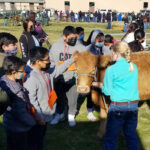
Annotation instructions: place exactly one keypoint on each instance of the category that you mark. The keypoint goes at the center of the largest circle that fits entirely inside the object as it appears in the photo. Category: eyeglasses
(44, 60)
(20, 71)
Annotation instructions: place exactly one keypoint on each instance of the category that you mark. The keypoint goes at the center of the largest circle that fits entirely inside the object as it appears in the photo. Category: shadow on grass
(80, 137)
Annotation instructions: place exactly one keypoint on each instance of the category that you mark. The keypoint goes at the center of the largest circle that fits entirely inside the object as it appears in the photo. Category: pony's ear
(104, 60)
(76, 53)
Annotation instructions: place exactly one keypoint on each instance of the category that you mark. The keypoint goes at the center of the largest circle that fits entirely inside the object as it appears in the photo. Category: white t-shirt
(129, 38)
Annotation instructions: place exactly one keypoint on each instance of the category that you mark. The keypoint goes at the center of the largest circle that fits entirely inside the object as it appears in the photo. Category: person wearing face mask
(28, 39)
(65, 85)
(8, 44)
(40, 87)
(7, 48)
(97, 41)
(139, 37)
(17, 119)
(80, 35)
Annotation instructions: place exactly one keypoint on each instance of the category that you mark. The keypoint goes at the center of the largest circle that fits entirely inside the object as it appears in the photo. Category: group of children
(37, 95)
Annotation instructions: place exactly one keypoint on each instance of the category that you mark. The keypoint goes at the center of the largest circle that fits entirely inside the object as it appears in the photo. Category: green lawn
(83, 136)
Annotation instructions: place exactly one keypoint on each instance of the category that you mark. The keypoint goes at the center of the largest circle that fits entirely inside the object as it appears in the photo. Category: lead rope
(105, 103)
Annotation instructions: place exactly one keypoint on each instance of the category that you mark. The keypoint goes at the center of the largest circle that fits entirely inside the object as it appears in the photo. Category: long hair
(124, 50)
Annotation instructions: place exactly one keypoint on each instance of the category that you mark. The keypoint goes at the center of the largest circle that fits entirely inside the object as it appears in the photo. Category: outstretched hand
(74, 58)
(97, 84)
(42, 122)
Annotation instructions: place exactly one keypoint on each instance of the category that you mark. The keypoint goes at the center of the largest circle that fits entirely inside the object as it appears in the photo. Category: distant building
(93, 5)
(76, 5)
(21, 4)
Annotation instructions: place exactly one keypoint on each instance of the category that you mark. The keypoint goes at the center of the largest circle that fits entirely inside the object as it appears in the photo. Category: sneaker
(57, 119)
(71, 120)
(91, 117)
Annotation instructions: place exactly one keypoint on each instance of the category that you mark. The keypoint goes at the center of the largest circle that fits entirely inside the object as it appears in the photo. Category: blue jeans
(121, 117)
(125, 28)
(109, 25)
(145, 26)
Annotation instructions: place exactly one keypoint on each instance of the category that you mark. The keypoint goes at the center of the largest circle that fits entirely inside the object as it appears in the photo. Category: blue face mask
(81, 37)
(21, 76)
(99, 45)
(12, 52)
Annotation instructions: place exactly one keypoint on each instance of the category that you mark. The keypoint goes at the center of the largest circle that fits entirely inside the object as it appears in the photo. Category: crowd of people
(36, 89)
(99, 16)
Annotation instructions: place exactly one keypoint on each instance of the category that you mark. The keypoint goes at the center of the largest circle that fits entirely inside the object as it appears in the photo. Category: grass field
(81, 137)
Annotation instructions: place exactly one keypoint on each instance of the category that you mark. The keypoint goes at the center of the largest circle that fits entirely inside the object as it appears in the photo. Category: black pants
(90, 104)
(67, 93)
(36, 137)
(17, 141)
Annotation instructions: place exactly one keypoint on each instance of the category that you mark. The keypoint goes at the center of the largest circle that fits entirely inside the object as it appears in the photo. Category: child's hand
(97, 84)
(42, 122)
(74, 58)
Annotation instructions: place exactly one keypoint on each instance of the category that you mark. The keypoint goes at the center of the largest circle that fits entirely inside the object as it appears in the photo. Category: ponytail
(124, 50)
(127, 57)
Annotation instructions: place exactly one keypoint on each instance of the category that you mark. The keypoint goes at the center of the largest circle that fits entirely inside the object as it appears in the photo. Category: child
(39, 85)
(108, 42)
(17, 120)
(7, 48)
(8, 44)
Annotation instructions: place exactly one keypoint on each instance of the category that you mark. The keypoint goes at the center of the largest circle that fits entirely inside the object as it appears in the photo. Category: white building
(76, 5)
(93, 5)
(21, 4)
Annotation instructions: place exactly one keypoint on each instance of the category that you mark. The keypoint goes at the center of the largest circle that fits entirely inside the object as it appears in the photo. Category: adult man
(66, 88)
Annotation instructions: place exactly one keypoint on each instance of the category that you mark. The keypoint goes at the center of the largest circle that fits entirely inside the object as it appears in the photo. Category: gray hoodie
(59, 52)
(37, 91)
(91, 47)
(94, 35)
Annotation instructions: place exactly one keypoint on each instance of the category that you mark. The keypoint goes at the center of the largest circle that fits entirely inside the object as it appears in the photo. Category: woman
(129, 36)
(121, 84)
(28, 39)
(136, 45)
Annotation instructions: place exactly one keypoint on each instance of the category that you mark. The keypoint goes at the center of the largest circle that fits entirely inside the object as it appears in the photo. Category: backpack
(19, 45)
(4, 101)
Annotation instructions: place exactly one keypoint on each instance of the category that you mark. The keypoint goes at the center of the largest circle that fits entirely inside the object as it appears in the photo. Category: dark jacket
(26, 43)
(17, 117)
(136, 46)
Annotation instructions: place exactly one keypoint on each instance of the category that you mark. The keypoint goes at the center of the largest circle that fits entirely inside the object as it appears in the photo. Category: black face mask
(72, 41)
(32, 31)
(47, 67)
